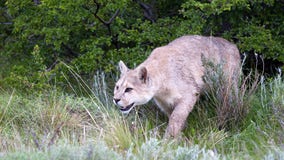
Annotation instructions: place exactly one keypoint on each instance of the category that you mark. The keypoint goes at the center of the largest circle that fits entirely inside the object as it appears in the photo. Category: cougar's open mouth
(127, 108)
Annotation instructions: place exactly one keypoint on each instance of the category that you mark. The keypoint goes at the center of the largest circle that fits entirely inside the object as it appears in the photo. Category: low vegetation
(86, 125)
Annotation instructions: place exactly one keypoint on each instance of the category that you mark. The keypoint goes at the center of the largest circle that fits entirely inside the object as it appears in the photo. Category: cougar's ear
(143, 75)
(122, 67)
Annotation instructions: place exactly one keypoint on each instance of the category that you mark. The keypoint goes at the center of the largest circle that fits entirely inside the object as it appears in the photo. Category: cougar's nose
(116, 100)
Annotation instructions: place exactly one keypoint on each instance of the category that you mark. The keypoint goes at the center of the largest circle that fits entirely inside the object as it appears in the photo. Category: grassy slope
(54, 125)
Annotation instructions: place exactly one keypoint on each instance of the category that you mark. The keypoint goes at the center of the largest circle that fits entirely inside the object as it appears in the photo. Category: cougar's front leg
(178, 118)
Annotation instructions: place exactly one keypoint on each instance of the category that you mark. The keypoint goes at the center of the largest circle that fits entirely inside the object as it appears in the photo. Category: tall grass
(229, 97)
(86, 125)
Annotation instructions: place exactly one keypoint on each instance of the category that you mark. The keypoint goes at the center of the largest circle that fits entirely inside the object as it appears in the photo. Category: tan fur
(172, 76)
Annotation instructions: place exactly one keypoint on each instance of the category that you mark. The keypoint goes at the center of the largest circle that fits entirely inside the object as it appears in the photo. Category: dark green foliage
(93, 35)
(256, 26)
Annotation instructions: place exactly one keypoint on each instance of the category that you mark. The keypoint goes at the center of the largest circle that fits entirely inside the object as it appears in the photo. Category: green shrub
(94, 35)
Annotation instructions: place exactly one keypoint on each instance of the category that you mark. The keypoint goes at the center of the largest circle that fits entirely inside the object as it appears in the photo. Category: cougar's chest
(167, 100)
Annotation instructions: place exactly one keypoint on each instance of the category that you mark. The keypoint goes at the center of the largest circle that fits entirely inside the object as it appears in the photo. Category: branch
(106, 23)
(7, 23)
(37, 2)
(98, 7)
(52, 66)
(148, 11)
(113, 16)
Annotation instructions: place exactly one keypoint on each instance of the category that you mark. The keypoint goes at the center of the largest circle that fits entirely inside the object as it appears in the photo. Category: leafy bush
(94, 35)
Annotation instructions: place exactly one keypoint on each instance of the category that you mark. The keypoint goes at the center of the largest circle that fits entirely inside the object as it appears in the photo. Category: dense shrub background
(93, 35)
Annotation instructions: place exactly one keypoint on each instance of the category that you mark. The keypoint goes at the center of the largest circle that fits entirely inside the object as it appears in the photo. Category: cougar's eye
(116, 87)
(128, 89)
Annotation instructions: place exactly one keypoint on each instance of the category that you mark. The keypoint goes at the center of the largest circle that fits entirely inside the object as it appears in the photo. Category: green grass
(56, 125)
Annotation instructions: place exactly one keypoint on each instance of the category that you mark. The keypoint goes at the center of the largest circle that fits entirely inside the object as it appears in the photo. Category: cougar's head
(133, 88)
